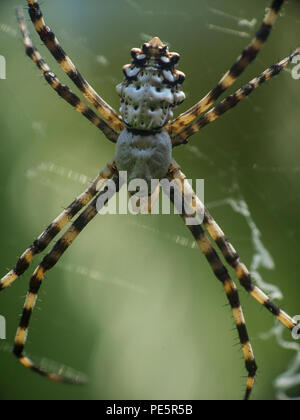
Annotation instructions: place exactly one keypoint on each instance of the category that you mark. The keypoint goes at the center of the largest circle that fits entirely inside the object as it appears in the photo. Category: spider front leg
(248, 56)
(42, 242)
(51, 42)
(233, 100)
(228, 250)
(49, 261)
(222, 275)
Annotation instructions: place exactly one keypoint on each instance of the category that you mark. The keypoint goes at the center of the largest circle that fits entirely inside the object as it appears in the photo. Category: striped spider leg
(232, 100)
(48, 262)
(248, 56)
(62, 90)
(42, 242)
(51, 42)
(183, 189)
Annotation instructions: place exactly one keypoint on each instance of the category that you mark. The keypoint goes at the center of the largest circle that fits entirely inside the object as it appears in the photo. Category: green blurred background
(133, 304)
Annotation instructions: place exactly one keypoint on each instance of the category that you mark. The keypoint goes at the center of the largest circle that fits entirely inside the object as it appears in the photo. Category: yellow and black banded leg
(62, 90)
(42, 242)
(248, 56)
(230, 288)
(228, 250)
(51, 42)
(232, 100)
(49, 261)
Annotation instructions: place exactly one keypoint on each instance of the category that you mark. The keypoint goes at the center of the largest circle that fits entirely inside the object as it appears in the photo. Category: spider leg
(51, 42)
(230, 253)
(223, 275)
(248, 56)
(61, 89)
(56, 226)
(232, 100)
(49, 261)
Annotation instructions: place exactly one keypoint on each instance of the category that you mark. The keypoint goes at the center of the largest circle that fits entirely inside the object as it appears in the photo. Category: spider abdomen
(151, 89)
(144, 156)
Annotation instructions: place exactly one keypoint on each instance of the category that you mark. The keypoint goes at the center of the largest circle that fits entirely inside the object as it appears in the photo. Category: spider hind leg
(42, 242)
(49, 261)
(230, 254)
(221, 274)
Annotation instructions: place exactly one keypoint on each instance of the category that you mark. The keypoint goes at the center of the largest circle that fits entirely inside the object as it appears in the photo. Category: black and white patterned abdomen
(143, 156)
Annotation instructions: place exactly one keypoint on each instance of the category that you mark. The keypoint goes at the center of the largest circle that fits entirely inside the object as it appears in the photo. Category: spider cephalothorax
(151, 89)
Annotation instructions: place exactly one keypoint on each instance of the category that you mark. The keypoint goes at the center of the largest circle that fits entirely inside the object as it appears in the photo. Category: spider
(149, 93)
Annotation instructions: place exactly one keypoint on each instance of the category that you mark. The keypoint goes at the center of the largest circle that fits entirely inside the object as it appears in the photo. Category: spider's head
(151, 89)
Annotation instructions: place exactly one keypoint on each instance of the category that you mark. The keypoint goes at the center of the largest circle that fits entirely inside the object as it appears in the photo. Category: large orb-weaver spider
(149, 93)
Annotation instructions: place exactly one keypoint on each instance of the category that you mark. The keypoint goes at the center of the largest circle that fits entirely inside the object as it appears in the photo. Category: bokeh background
(133, 304)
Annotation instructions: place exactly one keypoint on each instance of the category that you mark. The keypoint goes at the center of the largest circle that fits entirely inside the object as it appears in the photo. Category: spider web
(236, 186)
